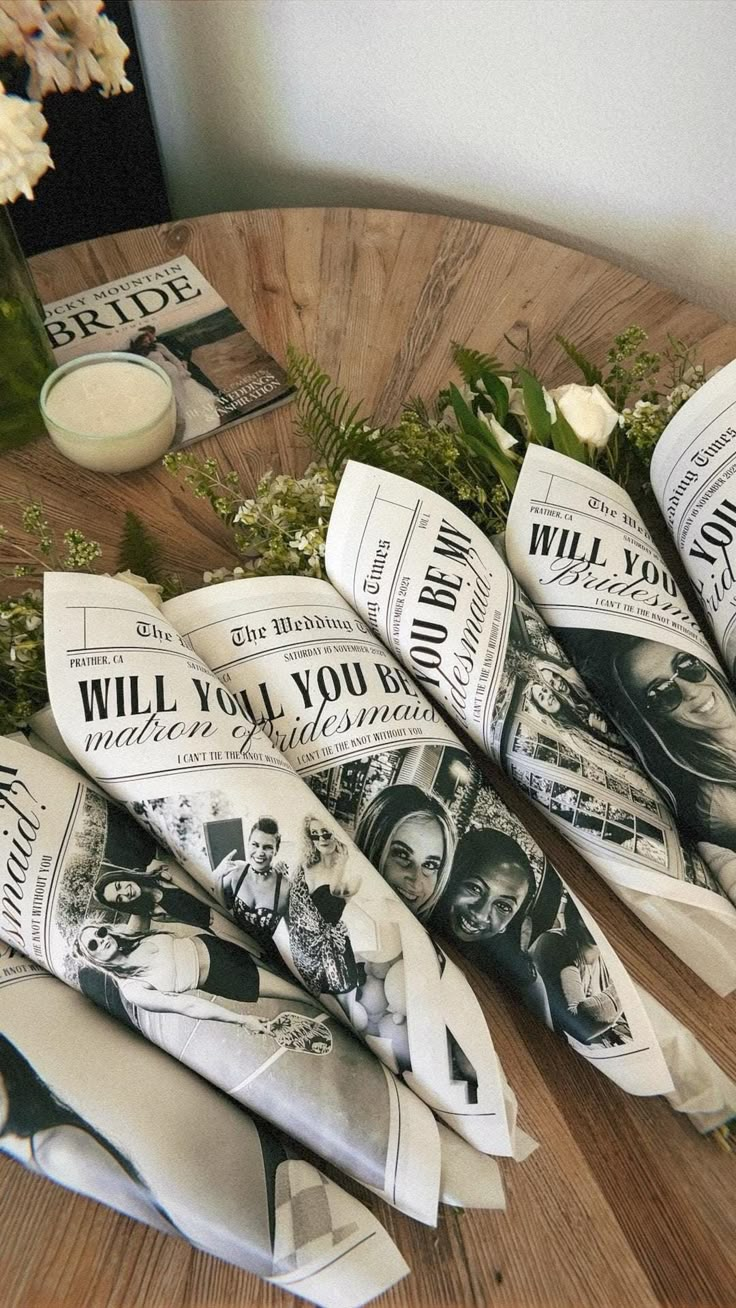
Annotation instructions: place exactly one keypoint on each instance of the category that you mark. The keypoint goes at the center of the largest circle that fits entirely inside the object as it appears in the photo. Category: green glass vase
(26, 358)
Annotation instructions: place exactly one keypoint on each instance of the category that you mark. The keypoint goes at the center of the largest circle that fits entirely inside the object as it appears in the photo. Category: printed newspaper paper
(382, 554)
(693, 468)
(382, 760)
(123, 1135)
(89, 896)
(576, 542)
(148, 721)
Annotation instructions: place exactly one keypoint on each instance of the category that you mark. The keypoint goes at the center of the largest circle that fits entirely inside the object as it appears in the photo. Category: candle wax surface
(107, 399)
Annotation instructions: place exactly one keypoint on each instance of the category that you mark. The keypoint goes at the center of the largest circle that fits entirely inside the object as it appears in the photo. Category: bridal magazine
(174, 317)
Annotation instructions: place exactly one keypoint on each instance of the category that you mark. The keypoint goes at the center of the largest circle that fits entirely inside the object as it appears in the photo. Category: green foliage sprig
(421, 446)
(281, 529)
(331, 423)
(24, 557)
(470, 443)
(138, 551)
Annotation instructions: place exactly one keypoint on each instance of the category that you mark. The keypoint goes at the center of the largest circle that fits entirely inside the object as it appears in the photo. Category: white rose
(588, 411)
(504, 437)
(147, 588)
(517, 405)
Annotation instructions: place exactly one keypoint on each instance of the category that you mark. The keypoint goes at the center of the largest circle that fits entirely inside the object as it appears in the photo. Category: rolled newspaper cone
(87, 895)
(153, 725)
(455, 631)
(149, 1138)
(445, 602)
(378, 755)
(692, 471)
(605, 589)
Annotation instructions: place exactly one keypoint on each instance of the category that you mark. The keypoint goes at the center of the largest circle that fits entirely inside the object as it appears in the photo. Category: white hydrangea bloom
(24, 156)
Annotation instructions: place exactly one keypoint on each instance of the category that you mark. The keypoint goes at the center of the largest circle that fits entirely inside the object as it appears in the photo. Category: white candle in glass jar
(111, 412)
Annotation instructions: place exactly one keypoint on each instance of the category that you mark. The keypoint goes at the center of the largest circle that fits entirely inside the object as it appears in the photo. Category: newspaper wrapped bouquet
(156, 727)
(381, 759)
(369, 743)
(492, 449)
(148, 1137)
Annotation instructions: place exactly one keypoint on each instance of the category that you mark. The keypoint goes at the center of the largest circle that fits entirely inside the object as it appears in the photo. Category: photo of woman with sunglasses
(157, 971)
(320, 889)
(681, 714)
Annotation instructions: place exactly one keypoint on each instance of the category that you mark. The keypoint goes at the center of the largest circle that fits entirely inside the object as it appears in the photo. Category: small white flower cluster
(68, 45)
(647, 419)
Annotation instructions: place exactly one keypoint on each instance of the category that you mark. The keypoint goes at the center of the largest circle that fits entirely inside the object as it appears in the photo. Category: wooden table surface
(624, 1205)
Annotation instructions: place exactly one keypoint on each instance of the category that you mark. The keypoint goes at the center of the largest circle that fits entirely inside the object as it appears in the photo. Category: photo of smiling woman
(158, 972)
(681, 714)
(151, 896)
(485, 907)
(320, 889)
(410, 837)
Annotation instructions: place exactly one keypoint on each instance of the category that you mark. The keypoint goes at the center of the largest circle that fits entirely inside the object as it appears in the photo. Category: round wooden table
(624, 1205)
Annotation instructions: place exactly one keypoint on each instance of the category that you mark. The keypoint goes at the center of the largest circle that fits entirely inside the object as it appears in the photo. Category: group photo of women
(478, 886)
(441, 839)
(151, 941)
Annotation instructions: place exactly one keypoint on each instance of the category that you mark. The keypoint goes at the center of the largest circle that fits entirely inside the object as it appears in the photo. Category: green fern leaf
(591, 374)
(139, 552)
(333, 425)
(472, 363)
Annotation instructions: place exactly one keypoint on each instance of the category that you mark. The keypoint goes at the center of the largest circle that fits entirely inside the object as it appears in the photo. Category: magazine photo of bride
(195, 395)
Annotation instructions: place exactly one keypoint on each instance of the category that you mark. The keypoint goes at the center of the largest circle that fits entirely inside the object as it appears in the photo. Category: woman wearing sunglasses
(685, 728)
(158, 971)
(320, 888)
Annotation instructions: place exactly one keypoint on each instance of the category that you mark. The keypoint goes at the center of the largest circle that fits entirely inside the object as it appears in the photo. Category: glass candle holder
(111, 412)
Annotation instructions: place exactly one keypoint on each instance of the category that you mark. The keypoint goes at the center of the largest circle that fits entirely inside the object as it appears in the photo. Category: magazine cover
(174, 317)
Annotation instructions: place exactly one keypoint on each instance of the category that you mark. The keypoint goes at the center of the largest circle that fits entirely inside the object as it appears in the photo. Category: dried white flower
(12, 40)
(111, 52)
(67, 45)
(49, 67)
(24, 156)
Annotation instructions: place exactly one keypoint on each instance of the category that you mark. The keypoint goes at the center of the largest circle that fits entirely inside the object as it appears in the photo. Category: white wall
(609, 125)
